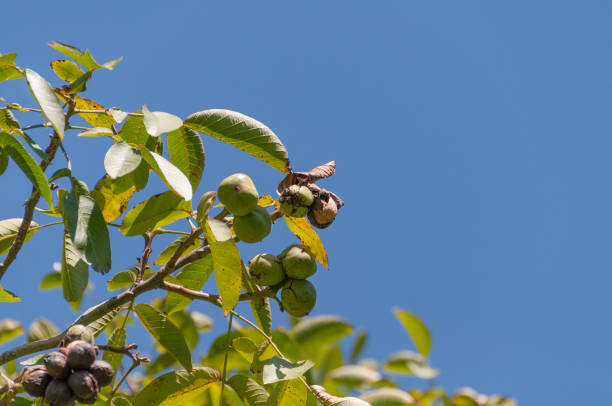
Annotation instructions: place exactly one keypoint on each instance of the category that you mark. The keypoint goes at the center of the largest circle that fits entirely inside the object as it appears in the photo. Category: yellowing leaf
(309, 237)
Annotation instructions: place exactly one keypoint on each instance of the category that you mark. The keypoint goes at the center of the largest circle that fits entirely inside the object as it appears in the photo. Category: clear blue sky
(473, 141)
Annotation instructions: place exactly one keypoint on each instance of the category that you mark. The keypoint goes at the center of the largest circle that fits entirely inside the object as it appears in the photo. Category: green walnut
(57, 365)
(78, 332)
(298, 262)
(58, 393)
(35, 380)
(84, 386)
(103, 372)
(238, 194)
(254, 226)
(295, 201)
(81, 354)
(298, 297)
(266, 270)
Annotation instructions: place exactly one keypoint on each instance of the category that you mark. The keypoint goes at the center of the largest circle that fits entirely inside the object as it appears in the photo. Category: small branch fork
(126, 350)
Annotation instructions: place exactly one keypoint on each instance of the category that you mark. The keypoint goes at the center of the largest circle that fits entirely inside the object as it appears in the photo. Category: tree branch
(29, 209)
(209, 297)
(94, 313)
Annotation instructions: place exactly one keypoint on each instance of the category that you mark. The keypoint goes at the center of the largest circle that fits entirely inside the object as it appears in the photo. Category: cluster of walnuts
(238, 194)
(70, 373)
(290, 271)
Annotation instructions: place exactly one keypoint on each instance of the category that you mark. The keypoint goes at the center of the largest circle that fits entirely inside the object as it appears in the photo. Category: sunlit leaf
(416, 329)
(4, 160)
(252, 393)
(320, 331)
(10, 329)
(278, 369)
(8, 122)
(97, 326)
(360, 343)
(158, 122)
(167, 252)
(192, 276)
(260, 306)
(8, 296)
(47, 100)
(84, 58)
(244, 133)
(165, 333)
(227, 264)
(173, 388)
(170, 174)
(309, 237)
(157, 211)
(409, 363)
(10, 72)
(111, 197)
(52, 280)
(354, 375)
(27, 164)
(116, 340)
(289, 393)
(97, 132)
(121, 159)
(67, 70)
(102, 119)
(41, 329)
(185, 324)
(8, 232)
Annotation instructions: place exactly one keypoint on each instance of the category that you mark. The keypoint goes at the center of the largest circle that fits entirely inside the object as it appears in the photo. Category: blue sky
(473, 148)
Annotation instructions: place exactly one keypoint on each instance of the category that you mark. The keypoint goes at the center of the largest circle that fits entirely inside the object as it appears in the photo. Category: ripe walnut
(81, 354)
(84, 386)
(103, 372)
(35, 380)
(59, 394)
(57, 365)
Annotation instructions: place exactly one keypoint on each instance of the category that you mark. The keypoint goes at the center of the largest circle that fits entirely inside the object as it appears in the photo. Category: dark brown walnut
(103, 372)
(59, 394)
(35, 380)
(81, 354)
(57, 365)
(76, 333)
(324, 210)
(84, 386)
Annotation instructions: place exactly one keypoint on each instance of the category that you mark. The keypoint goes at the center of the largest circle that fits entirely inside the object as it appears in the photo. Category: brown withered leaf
(322, 171)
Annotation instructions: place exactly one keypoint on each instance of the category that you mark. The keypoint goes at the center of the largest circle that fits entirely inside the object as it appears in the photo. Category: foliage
(254, 363)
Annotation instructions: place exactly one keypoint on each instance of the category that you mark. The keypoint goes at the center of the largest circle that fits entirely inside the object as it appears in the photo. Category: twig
(227, 348)
(29, 210)
(126, 351)
(129, 371)
(209, 297)
(148, 237)
(94, 313)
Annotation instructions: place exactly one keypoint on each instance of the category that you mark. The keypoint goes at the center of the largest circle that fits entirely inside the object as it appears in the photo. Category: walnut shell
(57, 365)
(103, 372)
(81, 354)
(84, 385)
(35, 380)
(59, 394)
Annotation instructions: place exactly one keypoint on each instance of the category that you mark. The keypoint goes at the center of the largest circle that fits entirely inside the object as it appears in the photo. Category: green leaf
(51, 280)
(67, 70)
(155, 212)
(170, 174)
(79, 85)
(289, 393)
(158, 122)
(186, 152)
(94, 119)
(244, 133)
(360, 343)
(174, 388)
(8, 232)
(167, 253)
(135, 132)
(97, 132)
(47, 100)
(37, 149)
(28, 165)
(278, 369)
(87, 228)
(123, 279)
(204, 205)
(10, 72)
(116, 340)
(165, 333)
(84, 58)
(75, 271)
(4, 159)
(309, 237)
(21, 401)
(8, 122)
(387, 397)
(35, 360)
(185, 324)
(121, 159)
(409, 363)
(192, 276)
(227, 263)
(97, 326)
(10, 329)
(113, 196)
(7, 59)
(252, 393)
(8, 296)
(416, 329)
(120, 401)
(354, 375)
(41, 329)
(260, 306)
(320, 331)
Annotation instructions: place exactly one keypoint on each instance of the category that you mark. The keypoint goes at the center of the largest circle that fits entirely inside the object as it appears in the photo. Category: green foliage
(255, 363)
